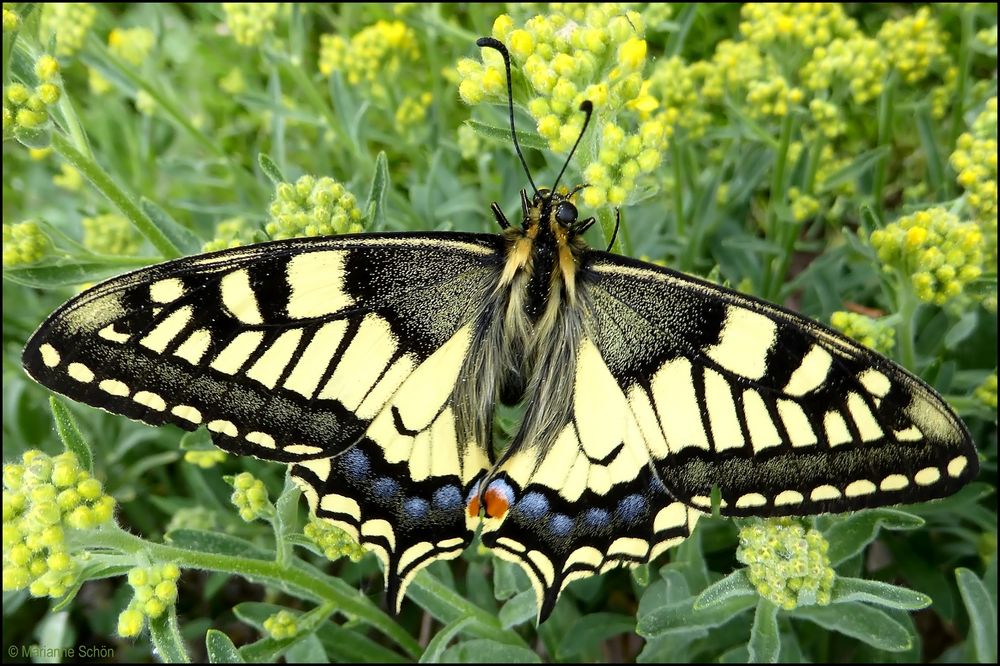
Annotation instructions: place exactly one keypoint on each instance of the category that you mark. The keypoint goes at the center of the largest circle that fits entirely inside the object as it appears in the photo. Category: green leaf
(866, 624)
(53, 632)
(682, 615)
(69, 433)
(982, 615)
(963, 328)
(71, 271)
(876, 592)
(486, 651)
(522, 608)
(286, 517)
(765, 642)
(214, 542)
(308, 650)
(348, 646)
(270, 169)
(735, 584)
(507, 579)
(590, 631)
(849, 536)
(33, 137)
(375, 206)
(436, 647)
(166, 638)
(220, 649)
(853, 171)
(183, 238)
(526, 138)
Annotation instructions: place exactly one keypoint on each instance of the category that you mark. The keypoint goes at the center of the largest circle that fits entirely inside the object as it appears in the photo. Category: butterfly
(372, 364)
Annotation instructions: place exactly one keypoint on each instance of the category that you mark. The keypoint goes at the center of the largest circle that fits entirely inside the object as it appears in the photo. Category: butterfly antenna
(587, 107)
(490, 43)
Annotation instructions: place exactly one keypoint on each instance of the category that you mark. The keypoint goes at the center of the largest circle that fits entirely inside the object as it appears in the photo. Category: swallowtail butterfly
(372, 365)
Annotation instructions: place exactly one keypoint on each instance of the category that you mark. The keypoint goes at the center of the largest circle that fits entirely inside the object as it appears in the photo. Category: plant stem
(905, 331)
(115, 194)
(885, 113)
(293, 577)
(957, 122)
(771, 221)
(678, 193)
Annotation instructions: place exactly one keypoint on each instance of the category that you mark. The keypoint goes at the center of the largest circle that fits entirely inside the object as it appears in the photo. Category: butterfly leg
(500, 217)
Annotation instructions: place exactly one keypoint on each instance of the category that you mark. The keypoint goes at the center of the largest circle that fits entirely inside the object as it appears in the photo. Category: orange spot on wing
(474, 506)
(496, 503)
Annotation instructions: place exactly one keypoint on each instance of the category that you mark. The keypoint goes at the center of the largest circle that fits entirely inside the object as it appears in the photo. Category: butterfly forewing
(340, 355)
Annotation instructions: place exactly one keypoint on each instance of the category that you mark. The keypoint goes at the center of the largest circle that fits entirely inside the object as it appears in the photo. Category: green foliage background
(773, 182)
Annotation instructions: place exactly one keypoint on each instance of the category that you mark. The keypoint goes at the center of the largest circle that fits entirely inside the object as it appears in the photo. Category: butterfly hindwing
(339, 355)
(783, 415)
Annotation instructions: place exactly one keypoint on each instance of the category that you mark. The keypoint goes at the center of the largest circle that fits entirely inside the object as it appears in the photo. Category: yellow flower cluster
(333, 541)
(873, 333)
(914, 44)
(69, 22)
(986, 392)
(23, 244)
(28, 109)
(939, 253)
(373, 56)
(828, 117)
(42, 496)
(468, 142)
(11, 20)
(110, 234)
(806, 24)
(250, 497)
(193, 518)
(680, 89)
(131, 45)
(68, 178)
(229, 233)
(313, 207)
(205, 459)
(858, 62)
(599, 56)
(155, 590)
(787, 563)
(413, 110)
(804, 206)
(733, 66)
(772, 98)
(249, 22)
(975, 162)
(233, 83)
(281, 625)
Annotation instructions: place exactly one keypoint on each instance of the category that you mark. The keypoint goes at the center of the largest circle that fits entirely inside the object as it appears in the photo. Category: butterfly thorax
(542, 255)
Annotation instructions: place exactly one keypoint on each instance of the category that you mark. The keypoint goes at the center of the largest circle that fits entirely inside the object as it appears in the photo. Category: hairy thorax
(529, 327)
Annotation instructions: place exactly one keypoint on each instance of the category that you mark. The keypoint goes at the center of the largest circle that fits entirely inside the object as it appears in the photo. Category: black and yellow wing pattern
(681, 386)
(338, 356)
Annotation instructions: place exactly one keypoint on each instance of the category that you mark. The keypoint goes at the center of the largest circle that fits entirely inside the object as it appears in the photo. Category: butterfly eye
(566, 213)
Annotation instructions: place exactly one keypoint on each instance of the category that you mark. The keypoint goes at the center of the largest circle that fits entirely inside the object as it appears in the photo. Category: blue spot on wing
(385, 487)
(560, 524)
(631, 508)
(416, 507)
(355, 462)
(533, 505)
(448, 497)
(596, 518)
